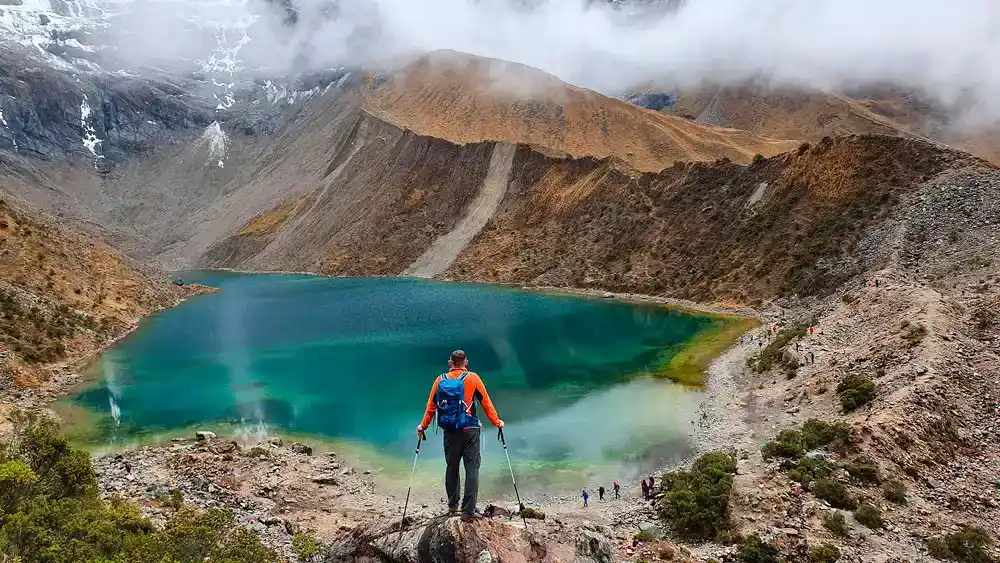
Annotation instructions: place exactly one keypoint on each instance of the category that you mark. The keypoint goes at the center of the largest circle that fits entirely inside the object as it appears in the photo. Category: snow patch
(90, 139)
(7, 127)
(274, 93)
(230, 38)
(217, 142)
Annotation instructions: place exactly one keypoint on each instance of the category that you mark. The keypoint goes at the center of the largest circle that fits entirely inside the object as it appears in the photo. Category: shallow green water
(353, 360)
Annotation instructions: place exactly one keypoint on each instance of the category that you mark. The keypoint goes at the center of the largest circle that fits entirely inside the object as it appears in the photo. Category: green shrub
(864, 471)
(644, 536)
(754, 550)
(807, 470)
(773, 353)
(968, 545)
(895, 491)
(171, 499)
(60, 518)
(855, 391)
(696, 504)
(817, 434)
(832, 492)
(836, 523)
(305, 547)
(869, 515)
(824, 553)
(787, 444)
(938, 548)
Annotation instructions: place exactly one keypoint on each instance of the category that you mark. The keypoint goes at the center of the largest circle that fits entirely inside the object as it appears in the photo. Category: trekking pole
(402, 524)
(520, 505)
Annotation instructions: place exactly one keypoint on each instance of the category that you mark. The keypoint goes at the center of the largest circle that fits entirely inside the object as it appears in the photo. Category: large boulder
(450, 540)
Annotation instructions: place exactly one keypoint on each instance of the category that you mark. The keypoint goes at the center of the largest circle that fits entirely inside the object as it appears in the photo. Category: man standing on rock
(452, 398)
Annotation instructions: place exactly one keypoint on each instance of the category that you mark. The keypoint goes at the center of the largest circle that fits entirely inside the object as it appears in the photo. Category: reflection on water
(353, 360)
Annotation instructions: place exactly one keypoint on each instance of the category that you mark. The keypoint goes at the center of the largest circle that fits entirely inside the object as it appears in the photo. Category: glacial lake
(580, 382)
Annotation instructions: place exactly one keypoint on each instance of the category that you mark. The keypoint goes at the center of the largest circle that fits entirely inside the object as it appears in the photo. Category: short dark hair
(458, 357)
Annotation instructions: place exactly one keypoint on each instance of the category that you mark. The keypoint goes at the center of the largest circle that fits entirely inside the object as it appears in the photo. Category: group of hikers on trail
(647, 491)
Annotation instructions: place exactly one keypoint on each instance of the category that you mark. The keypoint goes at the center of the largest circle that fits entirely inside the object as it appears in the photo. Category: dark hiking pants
(462, 445)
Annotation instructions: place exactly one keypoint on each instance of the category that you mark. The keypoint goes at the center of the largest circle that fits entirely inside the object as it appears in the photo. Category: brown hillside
(785, 113)
(63, 294)
(791, 224)
(812, 115)
(468, 99)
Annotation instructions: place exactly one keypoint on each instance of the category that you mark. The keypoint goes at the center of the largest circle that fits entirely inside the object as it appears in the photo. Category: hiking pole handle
(501, 438)
(420, 438)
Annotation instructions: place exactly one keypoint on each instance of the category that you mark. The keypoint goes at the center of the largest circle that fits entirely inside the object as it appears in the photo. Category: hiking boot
(471, 517)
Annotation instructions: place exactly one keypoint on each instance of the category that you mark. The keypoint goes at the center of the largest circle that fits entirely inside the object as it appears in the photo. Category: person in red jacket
(462, 444)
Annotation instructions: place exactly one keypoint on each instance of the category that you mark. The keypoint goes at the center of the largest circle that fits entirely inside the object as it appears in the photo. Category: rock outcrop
(450, 540)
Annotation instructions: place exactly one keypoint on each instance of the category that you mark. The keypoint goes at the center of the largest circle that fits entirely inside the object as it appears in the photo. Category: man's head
(458, 359)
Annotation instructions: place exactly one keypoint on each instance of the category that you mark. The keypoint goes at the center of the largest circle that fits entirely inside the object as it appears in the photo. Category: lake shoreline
(698, 359)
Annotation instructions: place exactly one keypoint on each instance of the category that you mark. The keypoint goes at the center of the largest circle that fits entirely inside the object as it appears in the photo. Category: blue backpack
(452, 412)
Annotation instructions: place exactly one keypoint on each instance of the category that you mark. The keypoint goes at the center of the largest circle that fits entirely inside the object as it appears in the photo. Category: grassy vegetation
(833, 493)
(855, 391)
(913, 333)
(814, 434)
(688, 366)
(836, 523)
(307, 548)
(773, 354)
(864, 471)
(50, 512)
(869, 515)
(824, 553)
(895, 491)
(36, 332)
(968, 545)
(755, 550)
(696, 504)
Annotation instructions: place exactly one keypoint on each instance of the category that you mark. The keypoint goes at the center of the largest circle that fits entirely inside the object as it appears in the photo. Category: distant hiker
(651, 482)
(600, 492)
(876, 283)
(812, 357)
(617, 489)
(645, 490)
(812, 330)
(585, 497)
(128, 467)
(452, 398)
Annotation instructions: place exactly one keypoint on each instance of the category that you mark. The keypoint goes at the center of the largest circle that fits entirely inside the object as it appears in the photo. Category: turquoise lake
(352, 361)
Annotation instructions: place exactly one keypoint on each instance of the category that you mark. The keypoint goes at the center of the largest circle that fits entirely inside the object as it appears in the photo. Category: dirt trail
(445, 249)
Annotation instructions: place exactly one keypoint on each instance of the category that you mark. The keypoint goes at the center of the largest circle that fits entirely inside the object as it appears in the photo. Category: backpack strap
(464, 373)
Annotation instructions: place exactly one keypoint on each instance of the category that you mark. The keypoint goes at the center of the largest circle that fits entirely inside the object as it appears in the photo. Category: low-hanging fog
(945, 50)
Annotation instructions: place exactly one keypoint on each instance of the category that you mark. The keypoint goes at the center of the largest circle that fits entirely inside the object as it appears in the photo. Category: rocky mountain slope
(64, 296)
(791, 224)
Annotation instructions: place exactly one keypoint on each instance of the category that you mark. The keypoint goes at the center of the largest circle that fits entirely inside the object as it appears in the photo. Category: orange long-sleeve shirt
(474, 389)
